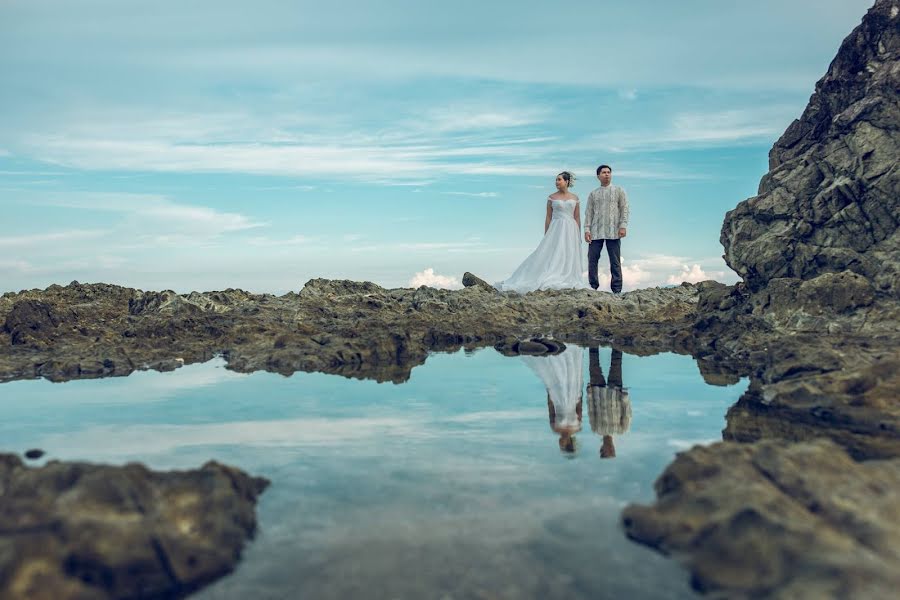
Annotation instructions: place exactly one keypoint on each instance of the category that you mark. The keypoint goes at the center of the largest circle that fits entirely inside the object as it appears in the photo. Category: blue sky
(204, 145)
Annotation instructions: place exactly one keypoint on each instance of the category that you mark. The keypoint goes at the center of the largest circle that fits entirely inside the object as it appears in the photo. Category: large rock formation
(79, 531)
(816, 318)
(829, 203)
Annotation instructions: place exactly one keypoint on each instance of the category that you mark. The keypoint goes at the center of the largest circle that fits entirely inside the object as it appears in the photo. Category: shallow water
(452, 485)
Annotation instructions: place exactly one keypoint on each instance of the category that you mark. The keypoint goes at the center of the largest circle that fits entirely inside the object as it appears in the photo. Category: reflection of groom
(609, 407)
(606, 220)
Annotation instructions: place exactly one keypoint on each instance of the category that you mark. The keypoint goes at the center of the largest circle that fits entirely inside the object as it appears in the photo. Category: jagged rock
(836, 292)
(77, 530)
(470, 280)
(769, 520)
(830, 200)
(31, 321)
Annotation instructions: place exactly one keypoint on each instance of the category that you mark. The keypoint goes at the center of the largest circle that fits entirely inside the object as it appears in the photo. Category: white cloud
(154, 215)
(656, 270)
(712, 128)
(431, 279)
(55, 237)
(266, 242)
(473, 194)
(18, 265)
(454, 118)
(694, 274)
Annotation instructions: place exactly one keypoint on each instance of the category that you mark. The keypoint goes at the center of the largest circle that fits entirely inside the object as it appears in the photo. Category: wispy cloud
(265, 242)
(468, 118)
(53, 237)
(154, 212)
(473, 194)
(17, 265)
(705, 129)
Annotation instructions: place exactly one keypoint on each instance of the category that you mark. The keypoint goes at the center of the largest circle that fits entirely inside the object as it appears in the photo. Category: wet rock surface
(78, 531)
(778, 520)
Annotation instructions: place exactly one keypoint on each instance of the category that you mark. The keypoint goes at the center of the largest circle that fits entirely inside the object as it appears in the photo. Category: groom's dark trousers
(615, 263)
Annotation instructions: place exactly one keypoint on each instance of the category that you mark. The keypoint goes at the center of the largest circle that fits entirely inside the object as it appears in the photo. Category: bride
(557, 261)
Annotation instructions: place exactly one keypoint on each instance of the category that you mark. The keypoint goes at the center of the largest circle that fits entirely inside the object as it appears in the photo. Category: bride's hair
(569, 177)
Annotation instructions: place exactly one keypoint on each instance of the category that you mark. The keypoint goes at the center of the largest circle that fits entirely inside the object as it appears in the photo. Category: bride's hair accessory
(569, 177)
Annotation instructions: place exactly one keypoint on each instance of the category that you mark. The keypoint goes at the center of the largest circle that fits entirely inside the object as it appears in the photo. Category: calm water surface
(481, 477)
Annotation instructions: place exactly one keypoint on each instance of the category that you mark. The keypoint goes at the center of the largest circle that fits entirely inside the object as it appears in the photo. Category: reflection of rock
(716, 373)
(858, 409)
(34, 453)
(799, 521)
(534, 346)
(74, 530)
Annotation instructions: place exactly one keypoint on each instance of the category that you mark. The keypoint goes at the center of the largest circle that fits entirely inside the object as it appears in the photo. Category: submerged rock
(77, 530)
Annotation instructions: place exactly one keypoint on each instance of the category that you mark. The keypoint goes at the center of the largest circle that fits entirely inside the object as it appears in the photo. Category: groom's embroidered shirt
(606, 213)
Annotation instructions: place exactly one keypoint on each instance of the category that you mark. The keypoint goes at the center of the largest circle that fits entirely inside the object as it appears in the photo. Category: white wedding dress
(558, 262)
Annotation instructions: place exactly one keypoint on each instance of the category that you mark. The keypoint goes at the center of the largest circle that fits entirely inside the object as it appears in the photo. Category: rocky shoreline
(341, 327)
(78, 530)
(801, 500)
(801, 497)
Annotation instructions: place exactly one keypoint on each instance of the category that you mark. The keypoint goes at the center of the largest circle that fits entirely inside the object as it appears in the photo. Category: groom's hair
(601, 167)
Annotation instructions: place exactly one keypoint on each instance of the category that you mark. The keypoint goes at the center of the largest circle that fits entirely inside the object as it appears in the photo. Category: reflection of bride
(562, 377)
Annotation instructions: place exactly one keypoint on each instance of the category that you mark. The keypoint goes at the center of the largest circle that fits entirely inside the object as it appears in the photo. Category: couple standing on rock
(557, 261)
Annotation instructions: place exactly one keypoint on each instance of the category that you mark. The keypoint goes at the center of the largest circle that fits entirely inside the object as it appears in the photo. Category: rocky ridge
(341, 327)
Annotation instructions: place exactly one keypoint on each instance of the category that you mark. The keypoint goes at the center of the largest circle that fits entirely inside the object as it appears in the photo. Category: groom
(605, 220)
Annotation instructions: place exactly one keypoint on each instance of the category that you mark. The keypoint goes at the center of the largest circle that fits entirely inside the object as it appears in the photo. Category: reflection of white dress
(561, 374)
(557, 262)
